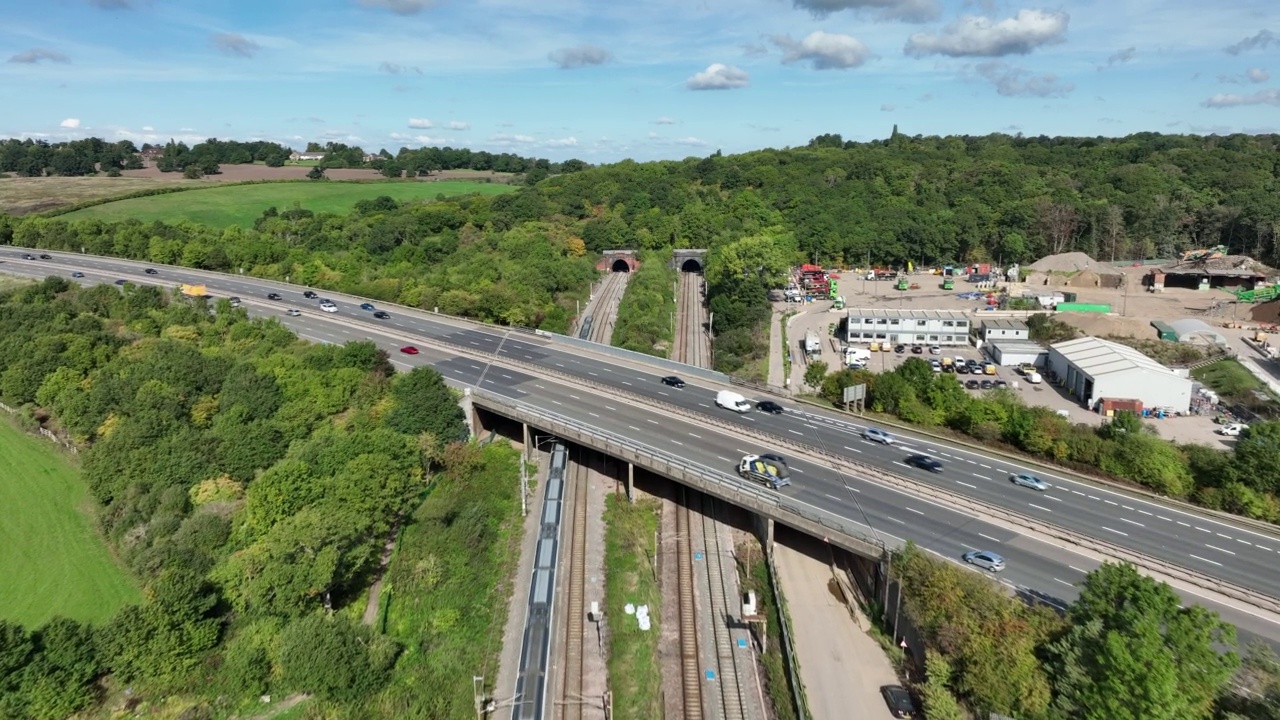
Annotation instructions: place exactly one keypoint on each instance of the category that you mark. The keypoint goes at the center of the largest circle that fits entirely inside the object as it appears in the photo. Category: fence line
(46, 433)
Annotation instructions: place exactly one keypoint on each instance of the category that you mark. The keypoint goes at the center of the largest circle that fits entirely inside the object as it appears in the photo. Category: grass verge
(630, 551)
(448, 587)
(53, 561)
(1228, 378)
(754, 574)
(241, 204)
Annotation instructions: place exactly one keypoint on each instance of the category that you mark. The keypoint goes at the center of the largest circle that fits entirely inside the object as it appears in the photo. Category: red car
(409, 350)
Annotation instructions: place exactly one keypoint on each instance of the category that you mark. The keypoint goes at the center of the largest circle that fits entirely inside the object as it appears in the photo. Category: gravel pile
(1069, 262)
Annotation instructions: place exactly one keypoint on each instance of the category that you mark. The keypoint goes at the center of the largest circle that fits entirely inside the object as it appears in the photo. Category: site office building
(909, 327)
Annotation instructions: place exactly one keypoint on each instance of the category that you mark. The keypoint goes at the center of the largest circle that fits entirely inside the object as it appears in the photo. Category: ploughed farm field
(52, 560)
(242, 204)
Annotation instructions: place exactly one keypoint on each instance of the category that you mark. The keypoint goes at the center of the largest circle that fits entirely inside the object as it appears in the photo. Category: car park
(875, 434)
(310, 295)
(77, 274)
(1030, 481)
(409, 350)
(673, 381)
(769, 406)
(293, 312)
(274, 296)
(366, 306)
(381, 315)
(924, 462)
(899, 701)
(948, 368)
(151, 271)
(937, 366)
(984, 559)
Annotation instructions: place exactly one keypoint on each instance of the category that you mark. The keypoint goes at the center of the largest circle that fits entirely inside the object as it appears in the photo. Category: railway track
(733, 704)
(571, 698)
(690, 674)
(604, 309)
(690, 342)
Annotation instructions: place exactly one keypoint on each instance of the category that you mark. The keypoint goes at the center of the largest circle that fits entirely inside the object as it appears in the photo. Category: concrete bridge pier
(764, 531)
(631, 482)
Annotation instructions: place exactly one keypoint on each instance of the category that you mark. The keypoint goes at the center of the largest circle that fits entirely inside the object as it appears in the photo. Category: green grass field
(52, 561)
(242, 204)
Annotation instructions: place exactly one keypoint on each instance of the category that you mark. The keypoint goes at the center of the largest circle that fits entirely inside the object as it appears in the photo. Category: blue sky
(603, 81)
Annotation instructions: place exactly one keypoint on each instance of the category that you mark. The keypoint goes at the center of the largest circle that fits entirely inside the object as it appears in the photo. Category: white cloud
(1262, 97)
(690, 141)
(421, 123)
(459, 125)
(147, 128)
(827, 51)
(1013, 81)
(35, 55)
(1262, 40)
(719, 76)
(399, 7)
(977, 36)
(580, 56)
(1258, 75)
(888, 107)
(413, 139)
(664, 121)
(235, 44)
(562, 142)
(904, 10)
(71, 123)
(506, 139)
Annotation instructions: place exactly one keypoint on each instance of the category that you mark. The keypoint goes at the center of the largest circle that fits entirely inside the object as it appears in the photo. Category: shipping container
(1164, 331)
(1083, 307)
(1108, 407)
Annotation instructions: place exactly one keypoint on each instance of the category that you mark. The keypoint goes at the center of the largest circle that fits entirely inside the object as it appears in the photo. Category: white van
(730, 400)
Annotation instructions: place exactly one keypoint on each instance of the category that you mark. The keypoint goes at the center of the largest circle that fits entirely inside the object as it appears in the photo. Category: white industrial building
(1092, 369)
(909, 327)
(1009, 353)
(1004, 329)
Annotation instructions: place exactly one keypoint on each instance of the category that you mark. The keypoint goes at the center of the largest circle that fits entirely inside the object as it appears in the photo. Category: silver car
(985, 559)
(877, 435)
(1030, 481)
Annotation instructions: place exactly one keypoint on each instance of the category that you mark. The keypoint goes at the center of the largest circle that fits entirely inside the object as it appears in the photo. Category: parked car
(366, 306)
(924, 462)
(916, 350)
(77, 274)
(409, 350)
(962, 369)
(769, 406)
(310, 295)
(874, 434)
(1000, 384)
(673, 381)
(292, 312)
(899, 349)
(1029, 480)
(1034, 378)
(986, 385)
(971, 385)
(935, 350)
(899, 701)
(151, 271)
(1232, 429)
(984, 559)
(382, 315)
(274, 296)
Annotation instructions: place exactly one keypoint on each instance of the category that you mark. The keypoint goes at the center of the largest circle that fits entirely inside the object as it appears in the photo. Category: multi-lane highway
(1216, 547)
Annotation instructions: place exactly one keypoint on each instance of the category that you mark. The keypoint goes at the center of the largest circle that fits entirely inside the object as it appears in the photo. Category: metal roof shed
(1191, 330)
(1091, 368)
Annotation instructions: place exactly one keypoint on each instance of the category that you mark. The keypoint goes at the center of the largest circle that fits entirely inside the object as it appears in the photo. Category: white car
(875, 434)
(1232, 430)
(329, 307)
(1034, 378)
(935, 350)
(293, 312)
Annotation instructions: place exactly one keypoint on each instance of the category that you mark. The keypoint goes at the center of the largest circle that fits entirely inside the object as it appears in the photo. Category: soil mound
(1069, 263)
(1267, 312)
(1099, 325)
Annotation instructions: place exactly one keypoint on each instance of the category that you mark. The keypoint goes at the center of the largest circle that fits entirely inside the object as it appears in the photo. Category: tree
(424, 404)
(1255, 460)
(192, 172)
(939, 703)
(1132, 653)
(815, 373)
(333, 659)
(316, 173)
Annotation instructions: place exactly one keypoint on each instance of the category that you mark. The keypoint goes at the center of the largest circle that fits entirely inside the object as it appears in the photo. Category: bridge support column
(631, 482)
(528, 445)
(764, 531)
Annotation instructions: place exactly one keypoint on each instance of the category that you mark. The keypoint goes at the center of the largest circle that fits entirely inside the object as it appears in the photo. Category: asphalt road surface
(1214, 547)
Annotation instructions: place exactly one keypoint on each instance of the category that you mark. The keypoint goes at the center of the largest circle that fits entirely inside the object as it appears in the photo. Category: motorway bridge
(858, 495)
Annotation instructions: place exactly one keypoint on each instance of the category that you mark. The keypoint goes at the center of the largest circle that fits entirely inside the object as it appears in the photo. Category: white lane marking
(697, 436)
(507, 376)
(614, 409)
(1224, 536)
(1215, 562)
(895, 520)
(1202, 529)
(1132, 522)
(1260, 547)
(703, 405)
(846, 447)
(913, 510)
(1104, 527)
(662, 393)
(975, 487)
(1126, 507)
(833, 497)
(985, 466)
(593, 414)
(1215, 547)
(744, 417)
(557, 402)
(724, 459)
(1110, 502)
(633, 427)
(1182, 523)
(539, 386)
(1144, 512)
(1040, 508)
(655, 422)
(1064, 582)
(988, 537)
(899, 462)
(1091, 497)
(1165, 518)
(592, 374)
(1077, 492)
(980, 477)
(677, 442)
(795, 432)
(1246, 542)
(624, 382)
(575, 397)
(798, 470)
(1073, 567)
(1050, 497)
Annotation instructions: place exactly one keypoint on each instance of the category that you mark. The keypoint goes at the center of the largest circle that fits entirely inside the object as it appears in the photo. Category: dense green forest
(250, 481)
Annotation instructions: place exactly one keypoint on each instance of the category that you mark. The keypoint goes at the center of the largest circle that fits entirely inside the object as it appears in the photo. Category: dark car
(366, 306)
(409, 350)
(899, 348)
(924, 462)
(948, 368)
(769, 406)
(28, 256)
(899, 701)
(121, 281)
(151, 271)
(274, 296)
(673, 381)
(962, 369)
(46, 257)
(235, 301)
(1002, 384)
(310, 295)
(971, 385)
(986, 384)
(916, 349)
(773, 457)
(382, 315)
(77, 274)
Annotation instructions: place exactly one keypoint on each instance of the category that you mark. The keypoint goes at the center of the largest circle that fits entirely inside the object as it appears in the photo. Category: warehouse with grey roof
(1091, 369)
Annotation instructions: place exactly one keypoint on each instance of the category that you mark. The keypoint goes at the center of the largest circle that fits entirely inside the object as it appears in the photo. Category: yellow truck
(194, 291)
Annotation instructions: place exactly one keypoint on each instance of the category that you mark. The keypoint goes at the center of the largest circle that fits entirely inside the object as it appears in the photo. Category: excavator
(1204, 254)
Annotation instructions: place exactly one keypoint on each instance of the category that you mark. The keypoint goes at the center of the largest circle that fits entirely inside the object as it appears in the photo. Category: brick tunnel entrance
(620, 265)
(691, 266)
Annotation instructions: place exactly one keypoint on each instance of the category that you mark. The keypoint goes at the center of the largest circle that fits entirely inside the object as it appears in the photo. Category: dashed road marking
(1104, 527)
(1215, 547)
(980, 477)
(1215, 562)
(592, 414)
(795, 432)
(697, 436)
(1260, 547)
(557, 402)
(1144, 512)
(913, 510)
(846, 447)
(985, 466)
(1040, 508)
(1246, 542)
(1224, 536)
(1132, 522)
(895, 520)
(984, 535)
(967, 484)
(655, 422)
(1064, 582)
(1165, 518)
